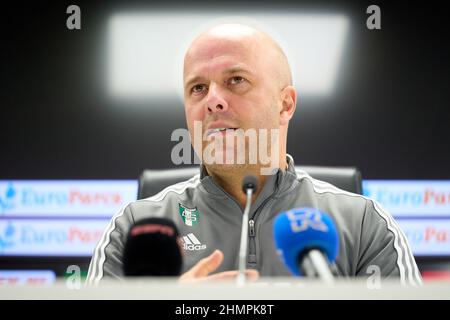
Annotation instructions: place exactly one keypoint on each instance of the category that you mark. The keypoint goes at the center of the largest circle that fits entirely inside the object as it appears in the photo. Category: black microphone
(249, 182)
(152, 249)
(249, 187)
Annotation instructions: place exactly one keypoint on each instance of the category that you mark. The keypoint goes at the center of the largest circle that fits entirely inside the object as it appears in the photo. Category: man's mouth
(219, 131)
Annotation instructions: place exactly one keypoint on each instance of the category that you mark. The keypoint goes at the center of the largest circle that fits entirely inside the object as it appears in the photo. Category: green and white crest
(189, 216)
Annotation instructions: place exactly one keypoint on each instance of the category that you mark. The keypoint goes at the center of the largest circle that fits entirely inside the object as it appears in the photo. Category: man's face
(227, 84)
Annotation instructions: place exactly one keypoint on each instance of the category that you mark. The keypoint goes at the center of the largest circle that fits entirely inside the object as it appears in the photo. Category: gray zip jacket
(208, 218)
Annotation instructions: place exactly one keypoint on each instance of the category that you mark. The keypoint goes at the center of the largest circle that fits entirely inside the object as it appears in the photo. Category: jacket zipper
(252, 230)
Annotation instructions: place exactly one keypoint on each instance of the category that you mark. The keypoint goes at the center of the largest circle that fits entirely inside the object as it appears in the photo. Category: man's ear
(288, 104)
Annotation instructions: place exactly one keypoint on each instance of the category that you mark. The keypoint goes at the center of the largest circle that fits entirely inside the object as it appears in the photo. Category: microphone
(307, 241)
(152, 249)
(249, 187)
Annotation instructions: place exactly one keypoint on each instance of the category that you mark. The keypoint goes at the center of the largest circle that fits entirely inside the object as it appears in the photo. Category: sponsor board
(76, 198)
(427, 237)
(44, 237)
(26, 277)
(411, 198)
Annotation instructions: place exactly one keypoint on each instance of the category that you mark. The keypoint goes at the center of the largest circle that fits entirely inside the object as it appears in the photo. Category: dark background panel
(388, 115)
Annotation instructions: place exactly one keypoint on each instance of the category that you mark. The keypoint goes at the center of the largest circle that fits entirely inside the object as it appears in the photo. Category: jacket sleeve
(384, 249)
(106, 261)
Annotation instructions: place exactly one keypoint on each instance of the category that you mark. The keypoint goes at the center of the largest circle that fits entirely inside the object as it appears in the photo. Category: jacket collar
(276, 184)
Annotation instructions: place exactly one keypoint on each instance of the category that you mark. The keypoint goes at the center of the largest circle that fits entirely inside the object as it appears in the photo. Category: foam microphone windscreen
(249, 182)
(152, 249)
(299, 230)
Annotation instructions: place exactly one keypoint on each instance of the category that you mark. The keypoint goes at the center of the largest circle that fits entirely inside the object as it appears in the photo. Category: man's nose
(215, 101)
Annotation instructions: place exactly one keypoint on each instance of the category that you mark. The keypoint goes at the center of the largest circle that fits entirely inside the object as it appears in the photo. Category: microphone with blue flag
(307, 241)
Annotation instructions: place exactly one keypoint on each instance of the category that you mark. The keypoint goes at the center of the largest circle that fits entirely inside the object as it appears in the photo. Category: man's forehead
(210, 47)
(210, 52)
(219, 56)
(219, 64)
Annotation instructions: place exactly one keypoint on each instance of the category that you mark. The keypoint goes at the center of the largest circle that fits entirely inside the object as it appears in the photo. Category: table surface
(263, 289)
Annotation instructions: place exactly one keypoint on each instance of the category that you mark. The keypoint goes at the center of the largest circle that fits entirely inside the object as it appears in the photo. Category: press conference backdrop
(47, 225)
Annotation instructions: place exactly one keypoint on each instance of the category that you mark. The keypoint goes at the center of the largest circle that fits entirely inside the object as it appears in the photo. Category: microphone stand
(243, 246)
(315, 265)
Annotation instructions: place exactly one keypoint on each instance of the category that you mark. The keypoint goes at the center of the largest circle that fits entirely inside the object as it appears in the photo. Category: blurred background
(83, 112)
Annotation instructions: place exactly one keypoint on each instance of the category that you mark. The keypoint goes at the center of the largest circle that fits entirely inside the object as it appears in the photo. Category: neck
(229, 177)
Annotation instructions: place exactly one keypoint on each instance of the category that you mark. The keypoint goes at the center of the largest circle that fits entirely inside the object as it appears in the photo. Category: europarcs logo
(7, 237)
(48, 197)
(7, 198)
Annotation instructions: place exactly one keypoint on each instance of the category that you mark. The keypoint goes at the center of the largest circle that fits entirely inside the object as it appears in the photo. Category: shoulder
(356, 215)
(351, 205)
(169, 196)
(107, 256)
(371, 231)
(338, 201)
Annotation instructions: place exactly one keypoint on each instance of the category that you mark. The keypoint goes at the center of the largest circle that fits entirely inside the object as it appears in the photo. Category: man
(237, 79)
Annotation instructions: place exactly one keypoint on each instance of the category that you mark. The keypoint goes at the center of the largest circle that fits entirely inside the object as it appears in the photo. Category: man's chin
(224, 166)
(233, 169)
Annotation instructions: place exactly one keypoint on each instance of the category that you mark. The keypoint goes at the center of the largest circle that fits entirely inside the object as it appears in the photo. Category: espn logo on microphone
(191, 243)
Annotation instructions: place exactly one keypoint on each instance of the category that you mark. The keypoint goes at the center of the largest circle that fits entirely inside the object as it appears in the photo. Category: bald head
(237, 77)
(253, 44)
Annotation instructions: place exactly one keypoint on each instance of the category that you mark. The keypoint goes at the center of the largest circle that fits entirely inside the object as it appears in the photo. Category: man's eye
(236, 80)
(198, 88)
